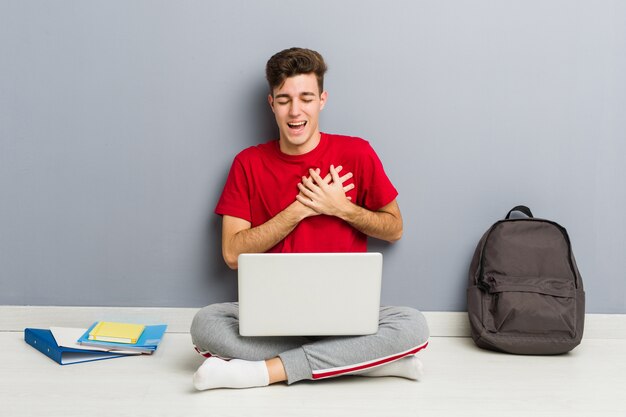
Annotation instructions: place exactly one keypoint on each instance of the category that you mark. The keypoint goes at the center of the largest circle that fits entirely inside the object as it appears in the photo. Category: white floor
(459, 380)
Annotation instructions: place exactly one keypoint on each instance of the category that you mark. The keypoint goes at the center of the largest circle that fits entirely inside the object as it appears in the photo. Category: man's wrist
(349, 212)
(296, 212)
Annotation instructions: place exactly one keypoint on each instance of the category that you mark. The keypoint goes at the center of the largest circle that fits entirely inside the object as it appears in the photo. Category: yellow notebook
(107, 331)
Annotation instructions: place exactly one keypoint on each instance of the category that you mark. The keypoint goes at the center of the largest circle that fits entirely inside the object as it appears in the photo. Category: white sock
(236, 373)
(408, 367)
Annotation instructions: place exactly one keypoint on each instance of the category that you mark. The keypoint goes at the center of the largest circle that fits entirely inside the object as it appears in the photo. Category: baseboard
(441, 323)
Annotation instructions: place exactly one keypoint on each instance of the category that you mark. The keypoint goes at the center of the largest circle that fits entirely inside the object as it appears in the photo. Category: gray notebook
(309, 294)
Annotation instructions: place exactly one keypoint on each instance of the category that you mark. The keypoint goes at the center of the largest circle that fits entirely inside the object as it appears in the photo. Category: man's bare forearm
(385, 224)
(261, 238)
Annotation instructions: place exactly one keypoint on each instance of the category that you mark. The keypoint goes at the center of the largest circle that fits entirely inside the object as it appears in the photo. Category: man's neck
(290, 149)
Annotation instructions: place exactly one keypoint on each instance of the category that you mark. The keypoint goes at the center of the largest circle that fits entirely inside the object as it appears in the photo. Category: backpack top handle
(522, 209)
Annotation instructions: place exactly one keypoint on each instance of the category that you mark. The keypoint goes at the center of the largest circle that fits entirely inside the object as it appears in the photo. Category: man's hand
(330, 198)
(326, 195)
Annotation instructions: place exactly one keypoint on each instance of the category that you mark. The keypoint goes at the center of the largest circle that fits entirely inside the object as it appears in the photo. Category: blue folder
(43, 341)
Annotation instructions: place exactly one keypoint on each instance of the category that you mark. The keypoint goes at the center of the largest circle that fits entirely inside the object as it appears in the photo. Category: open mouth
(297, 125)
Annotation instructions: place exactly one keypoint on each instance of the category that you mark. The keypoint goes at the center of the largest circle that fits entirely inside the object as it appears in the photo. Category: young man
(305, 192)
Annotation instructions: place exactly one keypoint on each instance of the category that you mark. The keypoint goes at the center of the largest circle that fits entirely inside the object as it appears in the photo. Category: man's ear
(323, 98)
(270, 100)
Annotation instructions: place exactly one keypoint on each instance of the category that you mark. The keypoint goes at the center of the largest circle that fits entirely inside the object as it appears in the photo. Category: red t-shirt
(263, 181)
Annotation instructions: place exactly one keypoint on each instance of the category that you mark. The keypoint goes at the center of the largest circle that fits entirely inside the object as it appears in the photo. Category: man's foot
(408, 367)
(236, 373)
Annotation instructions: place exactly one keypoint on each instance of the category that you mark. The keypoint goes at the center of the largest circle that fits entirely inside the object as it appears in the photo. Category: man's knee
(420, 330)
(408, 325)
(210, 324)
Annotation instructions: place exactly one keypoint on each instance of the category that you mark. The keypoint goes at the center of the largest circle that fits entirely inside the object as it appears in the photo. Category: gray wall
(119, 121)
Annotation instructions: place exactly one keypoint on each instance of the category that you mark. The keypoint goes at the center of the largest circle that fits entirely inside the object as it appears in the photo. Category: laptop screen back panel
(309, 294)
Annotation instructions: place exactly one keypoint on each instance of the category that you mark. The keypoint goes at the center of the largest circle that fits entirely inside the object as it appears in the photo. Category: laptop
(309, 294)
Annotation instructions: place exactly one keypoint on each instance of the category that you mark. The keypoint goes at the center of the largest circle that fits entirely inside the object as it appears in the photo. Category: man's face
(296, 105)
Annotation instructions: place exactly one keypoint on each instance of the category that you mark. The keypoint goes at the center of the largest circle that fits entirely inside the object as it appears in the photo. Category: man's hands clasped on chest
(326, 195)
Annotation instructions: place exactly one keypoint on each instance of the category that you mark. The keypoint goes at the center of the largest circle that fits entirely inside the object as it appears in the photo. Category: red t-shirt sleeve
(235, 198)
(378, 189)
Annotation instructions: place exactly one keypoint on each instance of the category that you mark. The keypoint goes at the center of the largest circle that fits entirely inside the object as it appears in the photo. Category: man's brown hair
(294, 61)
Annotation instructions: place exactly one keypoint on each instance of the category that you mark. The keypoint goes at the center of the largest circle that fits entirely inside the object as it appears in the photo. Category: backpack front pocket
(530, 306)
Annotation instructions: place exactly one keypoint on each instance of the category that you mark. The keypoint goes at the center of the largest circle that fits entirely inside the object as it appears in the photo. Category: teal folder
(43, 341)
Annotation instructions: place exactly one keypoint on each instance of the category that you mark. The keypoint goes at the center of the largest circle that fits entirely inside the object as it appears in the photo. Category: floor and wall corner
(459, 378)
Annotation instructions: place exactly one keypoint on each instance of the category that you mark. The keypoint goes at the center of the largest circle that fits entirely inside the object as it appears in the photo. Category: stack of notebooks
(103, 340)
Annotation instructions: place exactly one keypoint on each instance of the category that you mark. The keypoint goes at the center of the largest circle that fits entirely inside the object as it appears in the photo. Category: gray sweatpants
(402, 331)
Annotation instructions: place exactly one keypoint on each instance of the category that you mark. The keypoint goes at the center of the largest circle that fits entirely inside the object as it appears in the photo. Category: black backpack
(525, 293)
